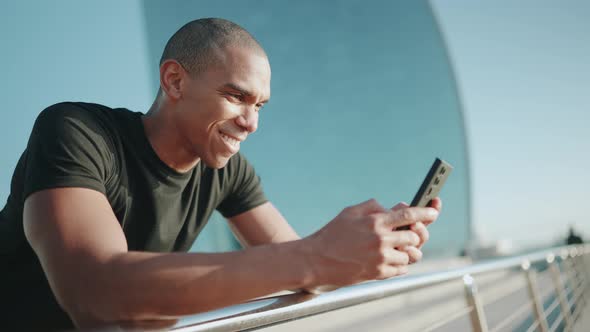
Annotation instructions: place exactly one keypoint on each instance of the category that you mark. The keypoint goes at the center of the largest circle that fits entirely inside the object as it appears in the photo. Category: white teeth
(229, 139)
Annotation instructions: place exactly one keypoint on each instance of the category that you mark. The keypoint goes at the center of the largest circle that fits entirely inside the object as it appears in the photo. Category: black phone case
(432, 184)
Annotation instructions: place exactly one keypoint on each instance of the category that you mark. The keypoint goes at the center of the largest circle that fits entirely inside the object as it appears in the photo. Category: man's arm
(95, 279)
(265, 224)
(262, 225)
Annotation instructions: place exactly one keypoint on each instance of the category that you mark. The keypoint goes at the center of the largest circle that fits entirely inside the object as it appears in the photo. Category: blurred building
(363, 96)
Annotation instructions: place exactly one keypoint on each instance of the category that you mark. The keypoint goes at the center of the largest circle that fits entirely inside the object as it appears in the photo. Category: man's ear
(171, 76)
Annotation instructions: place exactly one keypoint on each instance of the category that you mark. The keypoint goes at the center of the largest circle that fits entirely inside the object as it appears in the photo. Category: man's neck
(166, 140)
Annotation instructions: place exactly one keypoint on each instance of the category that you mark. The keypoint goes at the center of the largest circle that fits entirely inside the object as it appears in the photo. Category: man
(105, 203)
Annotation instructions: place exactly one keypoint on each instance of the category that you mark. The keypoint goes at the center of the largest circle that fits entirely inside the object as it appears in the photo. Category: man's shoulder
(82, 110)
(96, 117)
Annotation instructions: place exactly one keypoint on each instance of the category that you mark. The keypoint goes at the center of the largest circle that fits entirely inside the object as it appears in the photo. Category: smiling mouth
(230, 140)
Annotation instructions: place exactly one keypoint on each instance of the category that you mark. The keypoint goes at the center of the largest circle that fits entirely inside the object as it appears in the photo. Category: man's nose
(248, 119)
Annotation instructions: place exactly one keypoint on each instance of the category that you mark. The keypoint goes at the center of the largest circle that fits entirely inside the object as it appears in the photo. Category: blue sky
(523, 69)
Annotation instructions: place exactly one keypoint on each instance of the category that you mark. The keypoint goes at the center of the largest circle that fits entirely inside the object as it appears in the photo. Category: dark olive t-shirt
(103, 149)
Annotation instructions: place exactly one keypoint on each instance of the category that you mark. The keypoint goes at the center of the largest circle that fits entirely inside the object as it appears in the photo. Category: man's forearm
(141, 285)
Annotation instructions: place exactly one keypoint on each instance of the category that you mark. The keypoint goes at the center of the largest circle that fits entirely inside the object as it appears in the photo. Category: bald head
(199, 44)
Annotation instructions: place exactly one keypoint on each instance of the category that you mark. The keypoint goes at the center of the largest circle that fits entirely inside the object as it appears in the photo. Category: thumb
(367, 207)
(399, 206)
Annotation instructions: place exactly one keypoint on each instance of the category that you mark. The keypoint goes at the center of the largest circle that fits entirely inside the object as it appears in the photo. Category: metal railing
(553, 285)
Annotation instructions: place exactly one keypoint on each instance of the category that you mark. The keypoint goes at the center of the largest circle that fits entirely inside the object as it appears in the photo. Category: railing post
(568, 269)
(578, 267)
(586, 268)
(531, 278)
(559, 288)
(574, 270)
(585, 251)
(585, 258)
(478, 318)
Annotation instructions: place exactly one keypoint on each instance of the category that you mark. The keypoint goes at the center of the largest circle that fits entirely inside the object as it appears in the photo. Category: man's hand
(419, 228)
(360, 243)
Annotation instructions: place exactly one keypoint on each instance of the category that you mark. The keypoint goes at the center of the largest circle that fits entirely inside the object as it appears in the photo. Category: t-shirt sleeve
(245, 190)
(67, 148)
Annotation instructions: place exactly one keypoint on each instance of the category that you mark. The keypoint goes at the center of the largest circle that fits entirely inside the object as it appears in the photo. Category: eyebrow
(241, 90)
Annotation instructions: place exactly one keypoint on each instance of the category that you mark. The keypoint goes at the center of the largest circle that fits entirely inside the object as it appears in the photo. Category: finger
(410, 215)
(401, 270)
(143, 325)
(396, 257)
(388, 271)
(420, 229)
(401, 238)
(436, 203)
(366, 207)
(414, 254)
(399, 206)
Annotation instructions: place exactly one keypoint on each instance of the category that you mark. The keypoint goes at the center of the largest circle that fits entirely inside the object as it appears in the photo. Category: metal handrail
(262, 312)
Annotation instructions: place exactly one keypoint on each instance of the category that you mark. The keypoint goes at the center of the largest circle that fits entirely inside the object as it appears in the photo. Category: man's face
(219, 107)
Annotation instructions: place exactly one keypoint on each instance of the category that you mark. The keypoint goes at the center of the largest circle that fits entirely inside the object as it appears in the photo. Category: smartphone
(432, 184)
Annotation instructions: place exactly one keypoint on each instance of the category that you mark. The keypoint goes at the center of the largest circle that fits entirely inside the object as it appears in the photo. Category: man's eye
(236, 96)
